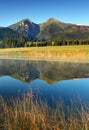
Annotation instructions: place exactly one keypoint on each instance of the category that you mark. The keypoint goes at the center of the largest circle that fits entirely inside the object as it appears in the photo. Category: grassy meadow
(72, 53)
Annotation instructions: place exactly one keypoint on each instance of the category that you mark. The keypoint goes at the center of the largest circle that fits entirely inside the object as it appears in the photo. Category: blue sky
(38, 11)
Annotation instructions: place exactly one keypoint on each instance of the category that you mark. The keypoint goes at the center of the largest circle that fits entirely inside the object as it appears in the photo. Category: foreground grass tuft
(18, 114)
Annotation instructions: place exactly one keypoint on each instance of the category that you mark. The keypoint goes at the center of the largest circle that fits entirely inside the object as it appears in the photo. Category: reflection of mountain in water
(66, 90)
(21, 70)
(49, 71)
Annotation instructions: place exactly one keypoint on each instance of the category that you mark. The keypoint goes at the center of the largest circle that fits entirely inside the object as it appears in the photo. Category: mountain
(50, 30)
(26, 28)
(54, 29)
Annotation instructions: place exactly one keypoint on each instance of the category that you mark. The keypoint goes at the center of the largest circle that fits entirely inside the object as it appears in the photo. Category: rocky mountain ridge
(49, 30)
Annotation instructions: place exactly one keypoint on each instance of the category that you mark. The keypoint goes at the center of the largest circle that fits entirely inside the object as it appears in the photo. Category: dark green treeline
(24, 42)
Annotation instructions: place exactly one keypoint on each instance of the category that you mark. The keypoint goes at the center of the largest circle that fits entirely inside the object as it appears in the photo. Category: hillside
(54, 29)
(7, 33)
(11, 38)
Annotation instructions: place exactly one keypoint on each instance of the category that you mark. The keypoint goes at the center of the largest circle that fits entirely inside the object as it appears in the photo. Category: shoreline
(11, 57)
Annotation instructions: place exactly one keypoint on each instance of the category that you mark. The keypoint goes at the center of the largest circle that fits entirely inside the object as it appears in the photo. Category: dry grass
(28, 115)
(62, 53)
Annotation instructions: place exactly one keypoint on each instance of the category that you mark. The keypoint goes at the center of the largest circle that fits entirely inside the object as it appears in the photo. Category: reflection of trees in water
(22, 70)
(30, 72)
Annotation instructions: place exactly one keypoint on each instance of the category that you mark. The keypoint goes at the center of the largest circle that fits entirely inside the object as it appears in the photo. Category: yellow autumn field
(74, 53)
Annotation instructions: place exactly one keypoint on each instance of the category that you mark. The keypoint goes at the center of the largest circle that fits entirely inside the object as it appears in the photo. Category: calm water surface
(46, 79)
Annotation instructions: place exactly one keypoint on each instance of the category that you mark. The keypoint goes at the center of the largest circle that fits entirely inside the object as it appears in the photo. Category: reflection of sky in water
(29, 74)
(10, 86)
(66, 89)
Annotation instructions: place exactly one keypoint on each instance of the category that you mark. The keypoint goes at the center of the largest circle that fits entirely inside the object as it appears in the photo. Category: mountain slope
(26, 28)
(11, 38)
(7, 33)
(54, 29)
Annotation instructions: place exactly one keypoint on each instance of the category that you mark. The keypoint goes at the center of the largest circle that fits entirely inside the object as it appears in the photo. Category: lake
(46, 79)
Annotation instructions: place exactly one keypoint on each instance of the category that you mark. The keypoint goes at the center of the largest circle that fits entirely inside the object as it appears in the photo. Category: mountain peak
(52, 20)
(26, 20)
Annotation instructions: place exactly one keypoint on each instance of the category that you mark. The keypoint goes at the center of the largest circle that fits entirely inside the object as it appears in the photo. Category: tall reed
(29, 114)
